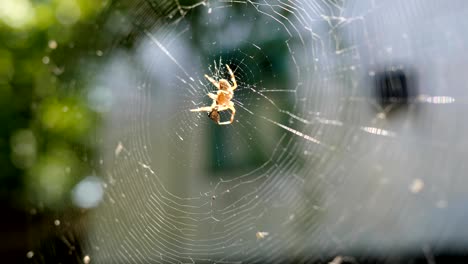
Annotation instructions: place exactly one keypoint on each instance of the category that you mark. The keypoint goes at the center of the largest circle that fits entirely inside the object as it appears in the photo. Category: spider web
(312, 165)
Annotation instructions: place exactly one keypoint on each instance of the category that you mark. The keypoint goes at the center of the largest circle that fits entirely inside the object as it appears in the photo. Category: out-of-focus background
(348, 145)
(46, 143)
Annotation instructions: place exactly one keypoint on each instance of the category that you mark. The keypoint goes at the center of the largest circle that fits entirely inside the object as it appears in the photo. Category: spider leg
(233, 113)
(202, 109)
(207, 108)
(212, 96)
(233, 78)
(222, 108)
(215, 83)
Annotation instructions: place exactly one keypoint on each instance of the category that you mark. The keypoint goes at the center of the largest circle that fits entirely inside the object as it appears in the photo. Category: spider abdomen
(223, 99)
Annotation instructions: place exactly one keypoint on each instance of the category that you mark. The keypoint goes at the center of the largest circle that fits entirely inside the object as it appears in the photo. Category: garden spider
(221, 100)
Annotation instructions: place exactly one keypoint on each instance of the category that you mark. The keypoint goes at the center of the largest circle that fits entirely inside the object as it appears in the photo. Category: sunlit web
(274, 184)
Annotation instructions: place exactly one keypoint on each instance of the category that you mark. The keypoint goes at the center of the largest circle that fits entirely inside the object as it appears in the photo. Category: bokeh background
(348, 144)
(46, 120)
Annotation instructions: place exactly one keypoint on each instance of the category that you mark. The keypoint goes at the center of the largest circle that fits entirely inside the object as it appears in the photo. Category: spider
(221, 100)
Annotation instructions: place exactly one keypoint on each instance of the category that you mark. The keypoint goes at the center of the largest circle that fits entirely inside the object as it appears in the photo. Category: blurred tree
(44, 116)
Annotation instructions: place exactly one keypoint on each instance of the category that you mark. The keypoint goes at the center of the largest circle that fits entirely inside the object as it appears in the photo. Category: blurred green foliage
(44, 116)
